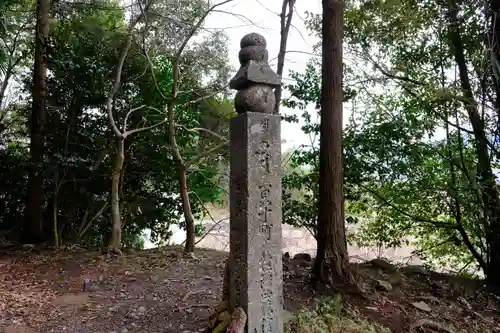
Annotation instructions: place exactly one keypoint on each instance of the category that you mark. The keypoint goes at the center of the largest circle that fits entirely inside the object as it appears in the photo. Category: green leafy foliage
(411, 161)
(85, 41)
(300, 184)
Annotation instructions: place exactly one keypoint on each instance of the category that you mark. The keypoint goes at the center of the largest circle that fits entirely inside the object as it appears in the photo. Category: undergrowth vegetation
(330, 316)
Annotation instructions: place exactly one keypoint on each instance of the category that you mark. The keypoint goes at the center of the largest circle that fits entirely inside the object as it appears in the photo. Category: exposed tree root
(430, 324)
(114, 250)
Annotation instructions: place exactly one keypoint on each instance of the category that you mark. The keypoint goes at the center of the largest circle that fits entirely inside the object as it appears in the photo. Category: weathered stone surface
(302, 256)
(258, 98)
(302, 260)
(414, 269)
(422, 306)
(384, 264)
(252, 39)
(384, 285)
(428, 298)
(255, 53)
(395, 278)
(256, 276)
(255, 80)
(253, 73)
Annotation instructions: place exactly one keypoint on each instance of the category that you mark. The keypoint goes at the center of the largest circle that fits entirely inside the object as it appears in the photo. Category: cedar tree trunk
(33, 229)
(332, 261)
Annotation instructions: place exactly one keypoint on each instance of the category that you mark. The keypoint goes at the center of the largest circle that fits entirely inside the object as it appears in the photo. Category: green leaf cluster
(85, 42)
(410, 154)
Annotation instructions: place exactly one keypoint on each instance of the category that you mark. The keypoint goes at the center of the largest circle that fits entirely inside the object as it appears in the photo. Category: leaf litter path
(158, 291)
(148, 291)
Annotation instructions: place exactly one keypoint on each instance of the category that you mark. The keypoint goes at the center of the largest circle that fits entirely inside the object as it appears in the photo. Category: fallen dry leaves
(160, 291)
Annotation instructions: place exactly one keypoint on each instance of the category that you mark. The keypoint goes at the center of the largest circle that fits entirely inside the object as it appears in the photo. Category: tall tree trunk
(33, 231)
(485, 172)
(115, 242)
(332, 261)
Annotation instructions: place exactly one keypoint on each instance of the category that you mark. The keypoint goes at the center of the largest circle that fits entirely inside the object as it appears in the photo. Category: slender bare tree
(285, 23)
(182, 164)
(114, 245)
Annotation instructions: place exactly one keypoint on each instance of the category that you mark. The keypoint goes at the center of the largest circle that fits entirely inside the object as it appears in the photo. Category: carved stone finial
(255, 79)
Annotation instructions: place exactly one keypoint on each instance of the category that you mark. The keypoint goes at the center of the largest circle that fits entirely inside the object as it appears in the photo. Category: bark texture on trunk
(186, 208)
(115, 242)
(33, 229)
(332, 261)
(181, 170)
(225, 283)
(485, 173)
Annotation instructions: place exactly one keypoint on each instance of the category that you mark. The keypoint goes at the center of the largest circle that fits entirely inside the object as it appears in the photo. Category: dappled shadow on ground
(159, 291)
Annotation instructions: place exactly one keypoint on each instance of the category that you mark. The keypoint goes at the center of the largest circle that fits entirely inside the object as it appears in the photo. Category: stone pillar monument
(256, 277)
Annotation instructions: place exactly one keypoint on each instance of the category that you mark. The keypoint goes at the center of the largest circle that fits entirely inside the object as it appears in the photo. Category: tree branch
(457, 209)
(300, 52)
(118, 74)
(154, 75)
(388, 74)
(440, 224)
(142, 129)
(83, 228)
(286, 21)
(240, 16)
(196, 27)
(200, 129)
(125, 121)
(199, 157)
(204, 97)
(128, 114)
(175, 85)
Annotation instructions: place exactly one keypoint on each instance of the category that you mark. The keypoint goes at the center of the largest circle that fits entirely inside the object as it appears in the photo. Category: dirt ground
(159, 291)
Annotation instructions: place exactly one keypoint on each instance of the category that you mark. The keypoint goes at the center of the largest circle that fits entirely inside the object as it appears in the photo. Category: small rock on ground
(422, 306)
(414, 269)
(384, 285)
(384, 264)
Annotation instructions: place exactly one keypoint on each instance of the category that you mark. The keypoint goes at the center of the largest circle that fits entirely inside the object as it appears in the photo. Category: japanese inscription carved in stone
(255, 192)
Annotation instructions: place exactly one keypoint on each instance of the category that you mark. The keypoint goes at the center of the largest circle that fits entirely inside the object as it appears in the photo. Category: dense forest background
(114, 120)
